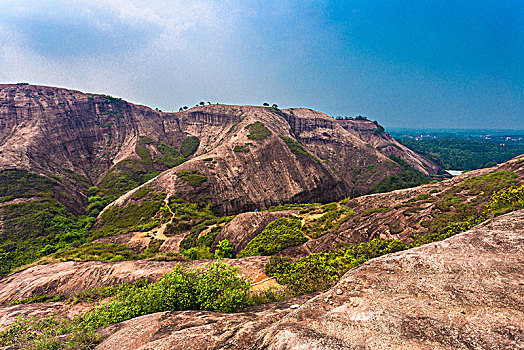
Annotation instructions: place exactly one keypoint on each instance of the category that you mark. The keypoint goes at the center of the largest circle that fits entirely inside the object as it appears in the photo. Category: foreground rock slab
(195, 330)
(466, 292)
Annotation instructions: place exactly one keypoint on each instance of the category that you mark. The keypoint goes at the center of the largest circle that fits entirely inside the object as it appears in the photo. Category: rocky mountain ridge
(80, 138)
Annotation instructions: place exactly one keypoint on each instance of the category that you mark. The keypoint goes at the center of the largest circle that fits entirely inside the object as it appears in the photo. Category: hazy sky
(438, 64)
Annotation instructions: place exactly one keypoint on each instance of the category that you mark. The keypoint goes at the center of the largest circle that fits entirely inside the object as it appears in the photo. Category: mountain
(251, 157)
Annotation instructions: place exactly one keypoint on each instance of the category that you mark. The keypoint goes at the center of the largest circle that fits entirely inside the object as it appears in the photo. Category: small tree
(202, 103)
(185, 108)
(275, 105)
(224, 249)
(180, 109)
(266, 104)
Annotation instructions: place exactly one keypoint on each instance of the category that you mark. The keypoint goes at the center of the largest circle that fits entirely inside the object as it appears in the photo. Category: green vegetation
(224, 249)
(241, 149)
(192, 177)
(297, 148)
(215, 288)
(143, 152)
(293, 206)
(131, 173)
(332, 216)
(94, 251)
(124, 176)
(195, 218)
(275, 109)
(189, 146)
(38, 299)
(278, 235)
(408, 178)
(506, 200)
(36, 228)
(379, 130)
(319, 271)
(258, 131)
(136, 216)
(460, 154)
(170, 157)
(22, 184)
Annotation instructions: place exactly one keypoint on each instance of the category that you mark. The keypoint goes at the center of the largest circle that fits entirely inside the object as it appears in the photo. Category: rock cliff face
(465, 292)
(78, 138)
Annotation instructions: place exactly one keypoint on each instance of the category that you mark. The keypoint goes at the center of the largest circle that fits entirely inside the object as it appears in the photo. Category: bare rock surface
(196, 330)
(67, 278)
(465, 292)
(9, 314)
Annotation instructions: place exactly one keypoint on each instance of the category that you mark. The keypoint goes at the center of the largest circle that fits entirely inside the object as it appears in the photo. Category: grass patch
(192, 177)
(136, 216)
(189, 146)
(241, 149)
(258, 131)
(278, 235)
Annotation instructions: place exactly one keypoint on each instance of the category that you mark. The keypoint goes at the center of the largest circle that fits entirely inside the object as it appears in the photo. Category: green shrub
(319, 271)
(507, 199)
(54, 332)
(224, 249)
(215, 288)
(192, 177)
(189, 146)
(170, 157)
(241, 149)
(197, 253)
(278, 235)
(132, 217)
(258, 131)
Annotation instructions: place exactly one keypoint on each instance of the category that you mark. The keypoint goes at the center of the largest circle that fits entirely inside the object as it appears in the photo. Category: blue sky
(421, 64)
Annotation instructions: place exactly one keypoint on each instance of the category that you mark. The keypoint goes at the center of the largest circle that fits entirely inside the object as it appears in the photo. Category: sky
(418, 63)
